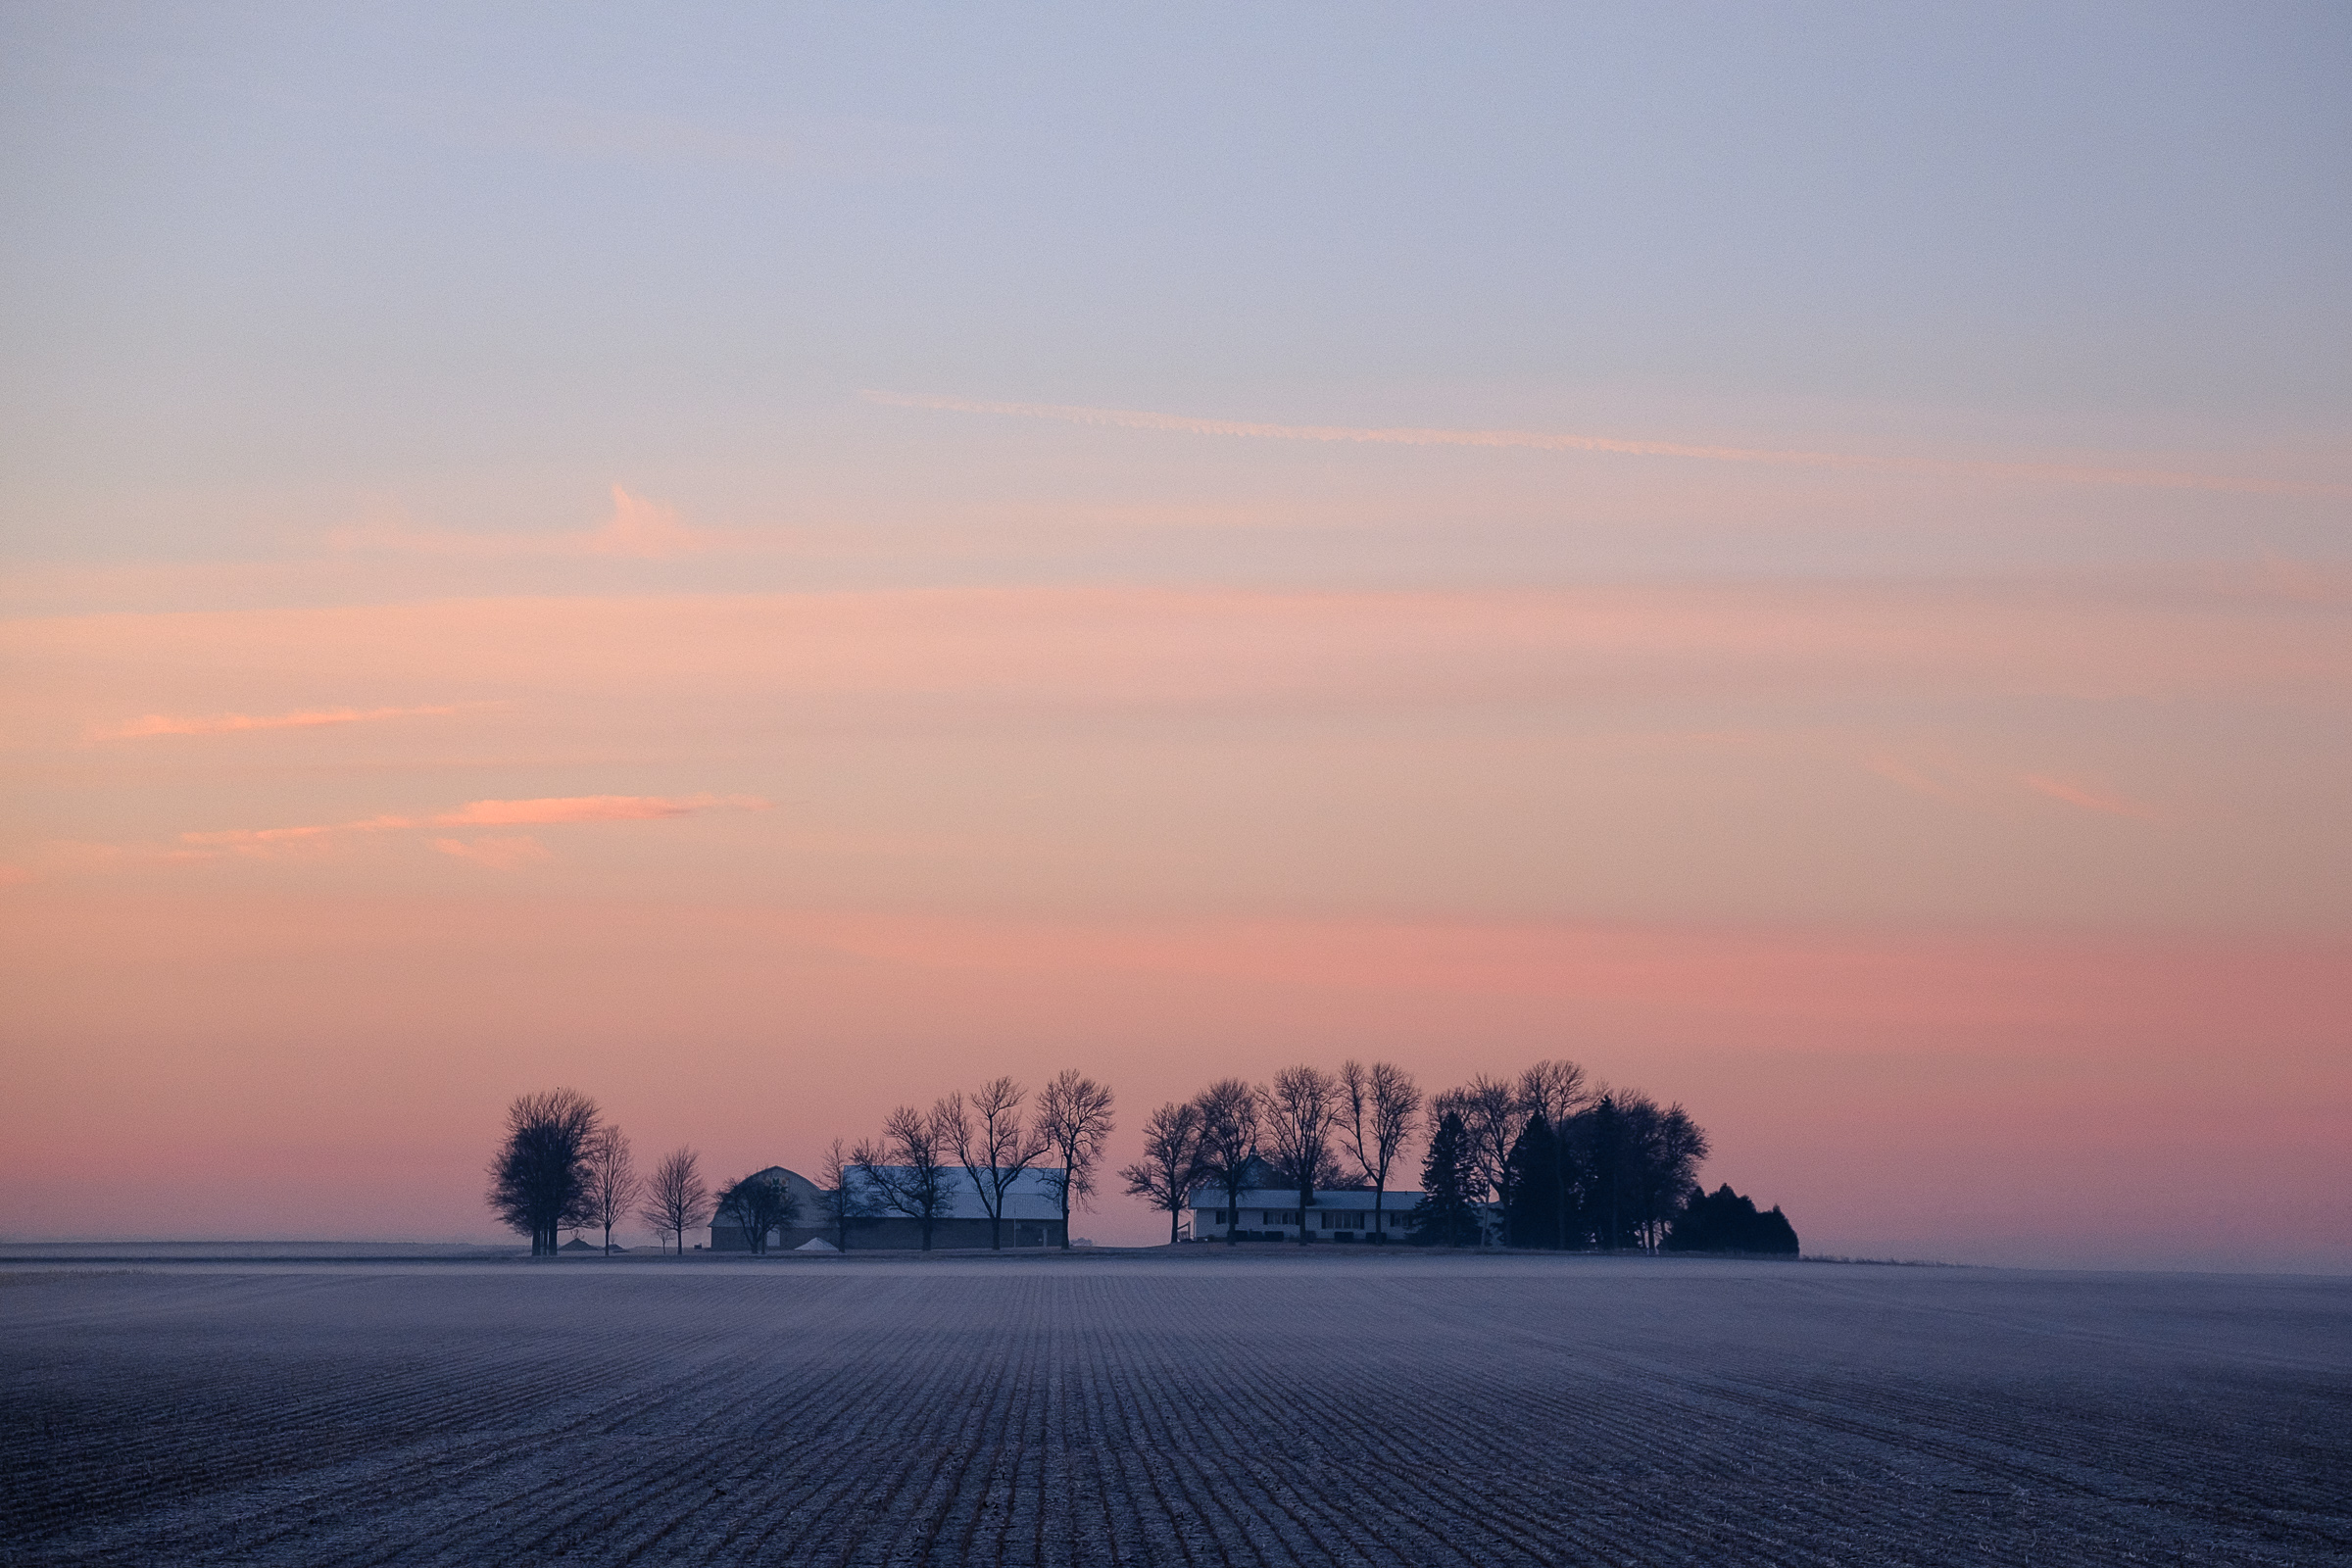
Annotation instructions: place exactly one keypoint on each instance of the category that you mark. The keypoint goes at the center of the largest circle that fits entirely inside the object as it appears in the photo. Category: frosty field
(1334, 1409)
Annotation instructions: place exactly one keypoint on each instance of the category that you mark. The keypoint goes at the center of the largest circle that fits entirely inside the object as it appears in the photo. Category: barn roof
(1035, 1193)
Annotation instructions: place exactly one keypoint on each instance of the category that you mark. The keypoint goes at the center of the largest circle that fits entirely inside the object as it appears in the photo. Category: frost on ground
(1196, 1409)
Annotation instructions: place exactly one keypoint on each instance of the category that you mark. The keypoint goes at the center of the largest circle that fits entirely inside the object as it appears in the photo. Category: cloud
(505, 853)
(497, 854)
(586, 663)
(233, 723)
(2089, 799)
(591, 808)
(645, 529)
(1897, 770)
(265, 839)
(1561, 441)
(639, 530)
(12, 875)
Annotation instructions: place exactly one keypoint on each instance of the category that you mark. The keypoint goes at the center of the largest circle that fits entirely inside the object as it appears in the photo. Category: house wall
(1322, 1224)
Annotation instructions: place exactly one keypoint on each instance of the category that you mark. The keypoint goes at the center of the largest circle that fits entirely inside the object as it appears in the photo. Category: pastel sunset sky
(771, 563)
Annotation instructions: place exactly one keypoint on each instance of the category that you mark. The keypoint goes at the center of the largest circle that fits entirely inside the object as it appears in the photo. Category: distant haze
(766, 569)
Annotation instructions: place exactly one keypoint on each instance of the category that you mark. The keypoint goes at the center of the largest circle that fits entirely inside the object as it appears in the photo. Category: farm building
(1271, 1214)
(809, 1217)
(1032, 1216)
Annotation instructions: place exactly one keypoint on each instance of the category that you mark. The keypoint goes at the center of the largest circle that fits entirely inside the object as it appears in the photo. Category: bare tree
(1379, 1108)
(907, 1173)
(1556, 1089)
(1229, 1132)
(612, 1179)
(1073, 1117)
(760, 1202)
(537, 1181)
(993, 1142)
(1299, 1109)
(848, 1197)
(675, 1199)
(1171, 1164)
(1490, 1124)
(1660, 1153)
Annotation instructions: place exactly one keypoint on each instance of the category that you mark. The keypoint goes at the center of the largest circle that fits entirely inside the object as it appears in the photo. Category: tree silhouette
(611, 1179)
(1531, 1198)
(538, 1183)
(760, 1202)
(1171, 1165)
(1073, 1116)
(1299, 1113)
(846, 1198)
(1229, 1134)
(1491, 1114)
(1380, 1106)
(994, 1144)
(907, 1174)
(1723, 1221)
(1448, 1213)
(675, 1197)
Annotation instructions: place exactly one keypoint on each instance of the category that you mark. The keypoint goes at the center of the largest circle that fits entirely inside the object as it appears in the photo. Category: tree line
(1546, 1160)
(561, 1166)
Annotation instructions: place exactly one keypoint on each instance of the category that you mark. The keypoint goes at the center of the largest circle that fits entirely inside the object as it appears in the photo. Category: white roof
(1035, 1193)
(1396, 1200)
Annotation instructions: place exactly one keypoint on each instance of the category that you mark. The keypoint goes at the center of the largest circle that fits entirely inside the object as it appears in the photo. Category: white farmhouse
(1269, 1214)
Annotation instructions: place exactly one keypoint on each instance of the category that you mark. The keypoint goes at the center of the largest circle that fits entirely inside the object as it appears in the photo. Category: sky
(768, 564)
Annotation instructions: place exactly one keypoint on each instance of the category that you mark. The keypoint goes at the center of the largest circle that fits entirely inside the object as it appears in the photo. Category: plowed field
(1334, 1409)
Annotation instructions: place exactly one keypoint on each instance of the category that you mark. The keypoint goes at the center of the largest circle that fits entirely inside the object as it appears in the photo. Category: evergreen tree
(1532, 1187)
(1723, 1221)
(1611, 1210)
(1446, 1215)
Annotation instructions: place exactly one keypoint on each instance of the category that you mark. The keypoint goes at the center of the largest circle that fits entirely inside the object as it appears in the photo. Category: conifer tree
(1446, 1215)
(1532, 1186)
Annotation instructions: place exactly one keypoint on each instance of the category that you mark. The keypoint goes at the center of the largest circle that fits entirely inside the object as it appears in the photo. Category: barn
(1032, 1216)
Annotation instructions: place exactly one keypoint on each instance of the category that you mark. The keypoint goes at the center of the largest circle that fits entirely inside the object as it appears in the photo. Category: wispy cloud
(496, 853)
(2091, 799)
(1913, 776)
(505, 853)
(592, 808)
(264, 839)
(233, 723)
(1564, 441)
(638, 529)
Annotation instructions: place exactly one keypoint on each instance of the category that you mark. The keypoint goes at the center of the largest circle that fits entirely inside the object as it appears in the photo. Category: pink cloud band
(591, 808)
(234, 723)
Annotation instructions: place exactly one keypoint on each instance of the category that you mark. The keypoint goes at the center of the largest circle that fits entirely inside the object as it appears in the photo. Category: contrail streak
(1554, 441)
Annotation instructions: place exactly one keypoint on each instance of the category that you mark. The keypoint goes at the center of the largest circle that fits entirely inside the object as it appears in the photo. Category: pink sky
(313, 887)
(766, 566)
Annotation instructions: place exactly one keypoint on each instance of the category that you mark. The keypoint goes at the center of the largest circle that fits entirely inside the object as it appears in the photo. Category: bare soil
(1332, 1409)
